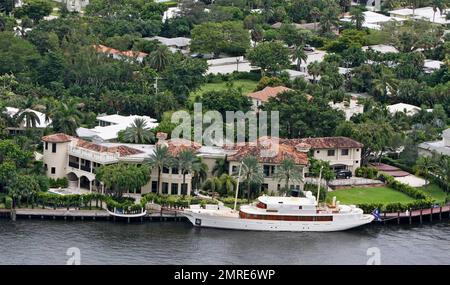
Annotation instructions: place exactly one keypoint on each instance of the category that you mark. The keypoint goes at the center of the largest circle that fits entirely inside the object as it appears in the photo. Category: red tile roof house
(122, 55)
(260, 97)
(77, 159)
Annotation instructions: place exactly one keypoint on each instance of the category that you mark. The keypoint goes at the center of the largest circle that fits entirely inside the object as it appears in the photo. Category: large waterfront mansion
(77, 159)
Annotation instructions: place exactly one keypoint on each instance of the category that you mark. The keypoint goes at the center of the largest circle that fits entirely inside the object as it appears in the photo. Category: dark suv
(343, 174)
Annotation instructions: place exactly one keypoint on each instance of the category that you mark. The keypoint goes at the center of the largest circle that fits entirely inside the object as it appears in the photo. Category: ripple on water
(46, 242)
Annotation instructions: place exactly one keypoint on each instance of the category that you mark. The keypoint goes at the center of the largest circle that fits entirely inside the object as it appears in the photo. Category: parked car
(343, 174)
(308, 48)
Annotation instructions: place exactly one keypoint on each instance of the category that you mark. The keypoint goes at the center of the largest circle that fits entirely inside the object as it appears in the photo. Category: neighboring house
(373, 20)
(307, 26)
(42, 124)
(121, 55)
(110, 125)
(408, 109)
(229, 65)
(350, 108)
(74, 5)
(381, 48)
(78, 159)
(340, 152)
(440, 147)
(260, 97)
(174, 44)
(430, 66)
(425, 13)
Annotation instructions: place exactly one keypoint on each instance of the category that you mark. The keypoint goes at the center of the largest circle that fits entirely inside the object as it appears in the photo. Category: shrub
(59, 182)
(366, 172)
(8, 202)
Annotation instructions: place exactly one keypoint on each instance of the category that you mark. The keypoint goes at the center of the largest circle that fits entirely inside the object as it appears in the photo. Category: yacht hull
(207, 220)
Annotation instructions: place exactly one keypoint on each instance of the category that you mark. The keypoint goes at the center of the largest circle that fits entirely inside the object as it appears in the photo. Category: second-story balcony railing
(100, 157)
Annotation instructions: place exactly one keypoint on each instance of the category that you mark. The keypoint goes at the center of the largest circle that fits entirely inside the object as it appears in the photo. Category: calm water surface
(46, 242)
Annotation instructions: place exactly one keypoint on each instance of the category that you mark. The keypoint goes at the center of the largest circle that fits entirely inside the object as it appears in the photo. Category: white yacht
(270, 213)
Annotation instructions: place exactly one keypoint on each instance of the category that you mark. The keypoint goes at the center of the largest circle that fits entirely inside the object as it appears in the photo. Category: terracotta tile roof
(128, 53)
(262, 151)
(268, 92)
(175, 146)
(121, 149)
(327, 142)
(57, 138)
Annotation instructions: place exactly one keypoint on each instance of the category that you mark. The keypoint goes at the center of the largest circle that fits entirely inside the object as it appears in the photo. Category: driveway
(411, 180)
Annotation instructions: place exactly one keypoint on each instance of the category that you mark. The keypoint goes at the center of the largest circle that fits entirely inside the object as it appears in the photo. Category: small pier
(418, 216)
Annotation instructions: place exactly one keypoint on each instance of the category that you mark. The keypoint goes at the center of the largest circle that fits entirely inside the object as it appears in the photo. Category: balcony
(100, 157)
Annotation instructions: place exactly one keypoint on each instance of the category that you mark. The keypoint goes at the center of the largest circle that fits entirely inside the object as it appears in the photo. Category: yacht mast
(237, 187)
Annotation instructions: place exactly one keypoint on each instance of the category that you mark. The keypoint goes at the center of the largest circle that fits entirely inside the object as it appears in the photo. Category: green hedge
(366, 172)
(174, 200)
(59, 182)
(8, 202)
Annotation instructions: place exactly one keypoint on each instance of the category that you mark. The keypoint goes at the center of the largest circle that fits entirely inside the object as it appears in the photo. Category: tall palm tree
(159, 58)
(385, 84)
(199, 173)
(425, 165)
(138, 132)
(358, 17)
(299, 55)
(186, 161)
(228, 183)
(440, 5)
(28, 117)
(288, 172)
(443, 170)
(66, 118)
(220, 167)
(252, 173)
(160, 158)
(314, 70)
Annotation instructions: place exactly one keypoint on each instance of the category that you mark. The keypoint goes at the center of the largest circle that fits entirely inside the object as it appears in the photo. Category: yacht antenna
(237, 187)
(318, 185)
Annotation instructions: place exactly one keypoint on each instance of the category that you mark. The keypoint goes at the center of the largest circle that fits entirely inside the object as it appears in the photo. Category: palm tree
(314, 70)
(138, 132)
(220, 167)
(443, 170)
(199, 173)
(425, 165)
(186, 161)
(228, 183)
(358, 17)
(440, 5)
(28, 116)
(288, 172)
(385, 84)
(160, 158)
(315, 15)
(66, 118)
(299, 55)
(159, 58)
(252, 173)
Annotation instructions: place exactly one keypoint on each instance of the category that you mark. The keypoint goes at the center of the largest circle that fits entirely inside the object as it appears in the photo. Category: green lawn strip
(370, 195)
(247, 86)
(435, 192)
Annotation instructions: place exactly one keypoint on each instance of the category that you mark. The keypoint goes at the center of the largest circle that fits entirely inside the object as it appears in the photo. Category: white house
(441, 147)
(110, 125)
(41, 124)
(408, 109)
(350, 108)
(425, 13)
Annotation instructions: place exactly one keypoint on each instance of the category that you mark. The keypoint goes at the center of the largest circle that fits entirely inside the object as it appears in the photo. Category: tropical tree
(270, 56)
(120, 178)
(288, 172)
(220, 167)
(299, 55)
(160, 158)
(440, 5)
(425, 165)
(66, 118)
(385, 84)
(159, 58)
(314, 69)
(23, 186)
(199, 173)
(138, 132)
(228, 184)
(315, 167)
(186, 161)
(28, 116)
(358, 17)
(443, 170)
(252, 173)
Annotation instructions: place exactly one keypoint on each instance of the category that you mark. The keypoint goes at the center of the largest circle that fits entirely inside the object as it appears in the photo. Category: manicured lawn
(435, 192)
(369, 195)
(246, 85)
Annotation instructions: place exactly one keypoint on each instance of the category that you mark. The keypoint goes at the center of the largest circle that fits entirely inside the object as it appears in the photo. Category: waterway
(47, 242)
